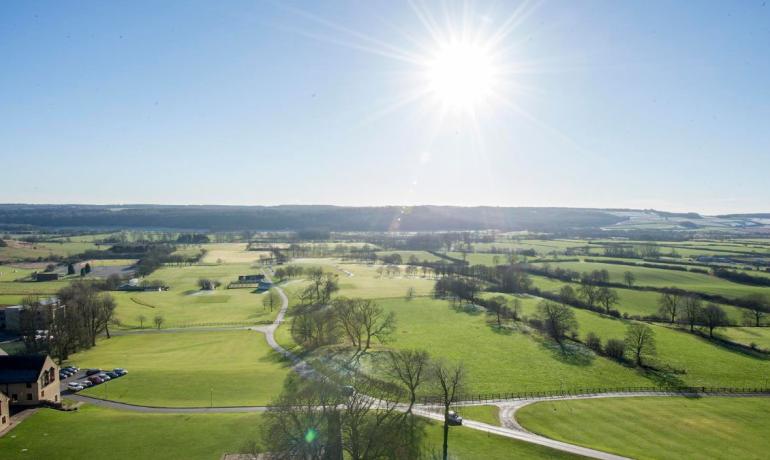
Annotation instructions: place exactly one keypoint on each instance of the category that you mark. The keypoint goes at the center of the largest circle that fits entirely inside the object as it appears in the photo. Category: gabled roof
(21, 369)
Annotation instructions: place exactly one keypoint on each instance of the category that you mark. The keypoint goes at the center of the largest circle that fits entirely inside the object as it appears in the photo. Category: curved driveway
(510, 427)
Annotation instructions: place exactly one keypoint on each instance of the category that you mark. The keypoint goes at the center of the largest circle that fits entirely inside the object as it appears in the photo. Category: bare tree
(158, 320)
(377, 323)
(410, 293)
(141, 319)
(607, 297)
(629, 278)
(713, 317)
(271, 299)
(692, 311)
(757, 308)
(669, 305)
(449, 380)
(640, 342)
(408, 367)
(558, 319)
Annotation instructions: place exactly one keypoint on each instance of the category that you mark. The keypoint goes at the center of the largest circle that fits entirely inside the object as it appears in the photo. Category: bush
(594, 342)
(615, 349)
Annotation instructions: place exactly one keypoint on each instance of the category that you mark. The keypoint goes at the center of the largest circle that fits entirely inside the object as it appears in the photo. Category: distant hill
(289, 217)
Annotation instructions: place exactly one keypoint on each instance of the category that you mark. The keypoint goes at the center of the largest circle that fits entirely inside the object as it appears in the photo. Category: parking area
(74, 379)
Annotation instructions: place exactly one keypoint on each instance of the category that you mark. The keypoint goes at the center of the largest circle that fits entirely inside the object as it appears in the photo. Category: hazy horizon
(657, 105)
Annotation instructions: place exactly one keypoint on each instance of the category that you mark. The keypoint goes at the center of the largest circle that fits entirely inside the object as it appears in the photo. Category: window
(3, 422)
(29, 396)
(15, 397)
(29, 385)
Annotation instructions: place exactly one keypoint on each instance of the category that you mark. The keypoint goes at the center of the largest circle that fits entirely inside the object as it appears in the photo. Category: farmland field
(664, 278)
(187, 369)
(184, 304)
(18, 250)
(119, 434)
(653, 428)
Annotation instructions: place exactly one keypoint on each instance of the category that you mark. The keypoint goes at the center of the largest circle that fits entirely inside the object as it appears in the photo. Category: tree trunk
(446, 433)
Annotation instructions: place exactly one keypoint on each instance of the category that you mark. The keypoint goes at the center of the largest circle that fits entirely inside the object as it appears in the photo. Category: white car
(75, 386)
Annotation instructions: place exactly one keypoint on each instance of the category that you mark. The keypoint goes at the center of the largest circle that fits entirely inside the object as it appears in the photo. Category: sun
(461, 75)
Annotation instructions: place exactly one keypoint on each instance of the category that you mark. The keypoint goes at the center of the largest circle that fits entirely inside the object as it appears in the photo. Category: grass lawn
(232, 253)
(700, 361)
(184, 304)
(99, 433)
(367, 283)
(748, 335)
(499, 360)
(182, 369)
(653, 428)
(484, 414)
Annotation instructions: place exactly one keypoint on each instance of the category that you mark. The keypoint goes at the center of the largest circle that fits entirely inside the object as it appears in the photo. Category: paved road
(510, 429)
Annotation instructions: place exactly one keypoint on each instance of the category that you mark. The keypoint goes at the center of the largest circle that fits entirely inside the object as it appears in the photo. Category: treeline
(740, 277)
(82, 313)
(298, 218)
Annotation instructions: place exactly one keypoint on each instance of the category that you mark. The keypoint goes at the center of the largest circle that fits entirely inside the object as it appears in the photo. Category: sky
(597, 103)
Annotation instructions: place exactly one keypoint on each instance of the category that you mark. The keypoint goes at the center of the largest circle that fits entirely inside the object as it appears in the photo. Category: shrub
(615, 349)
(594, 342)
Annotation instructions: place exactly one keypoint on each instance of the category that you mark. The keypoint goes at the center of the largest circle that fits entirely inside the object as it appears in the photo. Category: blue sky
(611, 104)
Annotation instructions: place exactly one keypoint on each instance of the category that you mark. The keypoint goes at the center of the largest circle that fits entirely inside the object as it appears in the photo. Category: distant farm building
(46, 276)
(134, 285)
(11, 317)
(29, 380)
(250, 279)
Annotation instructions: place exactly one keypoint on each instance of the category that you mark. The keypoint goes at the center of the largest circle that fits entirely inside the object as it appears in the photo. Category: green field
(365, 281)
(99, 433)
(17, 250)
(485, 414)
(499, 361)
(656, 277)
(760, 336)
(631, 301)
(184, 304)
(187, 369)
(654, 428)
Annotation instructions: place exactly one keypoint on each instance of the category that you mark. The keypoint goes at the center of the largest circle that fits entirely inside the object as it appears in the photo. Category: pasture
(184, 304)
(658, 427)
(20, 250)
(187, 369)
(108, 434)
(656, 277)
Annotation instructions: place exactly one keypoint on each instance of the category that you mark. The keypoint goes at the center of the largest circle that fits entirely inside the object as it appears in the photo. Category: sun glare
(461, 75)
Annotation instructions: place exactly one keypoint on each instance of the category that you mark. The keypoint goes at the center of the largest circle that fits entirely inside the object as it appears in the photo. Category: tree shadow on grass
(571, 353)
(467, 308)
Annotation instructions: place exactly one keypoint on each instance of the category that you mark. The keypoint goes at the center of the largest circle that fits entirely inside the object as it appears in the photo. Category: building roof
(21, 369)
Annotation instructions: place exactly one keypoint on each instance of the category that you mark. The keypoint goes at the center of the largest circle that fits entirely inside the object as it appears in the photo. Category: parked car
(120, 371)
(92, 371)
(95, 379)
(453, 418)
(104, 376)
(85, 383)
(75, 386)
(112, 375)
